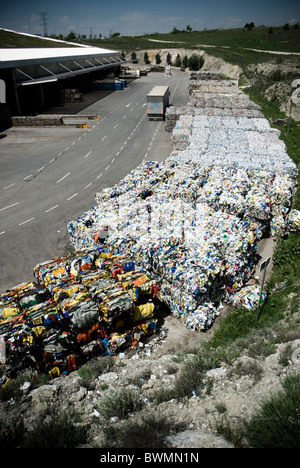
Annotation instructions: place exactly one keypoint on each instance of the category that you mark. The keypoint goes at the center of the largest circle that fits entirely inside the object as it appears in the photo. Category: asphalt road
(49, 176)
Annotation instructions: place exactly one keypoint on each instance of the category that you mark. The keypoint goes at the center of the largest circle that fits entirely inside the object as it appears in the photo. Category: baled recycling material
(79, 306)
(182, 233)
(196, 218)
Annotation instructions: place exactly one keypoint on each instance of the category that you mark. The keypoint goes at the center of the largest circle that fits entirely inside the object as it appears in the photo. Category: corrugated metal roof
(17, 57)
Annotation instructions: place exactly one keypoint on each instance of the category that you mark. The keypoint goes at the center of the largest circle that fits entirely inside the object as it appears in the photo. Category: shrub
(56, 429)
(92, 369)
(147, 431)
(250, 368)
(188, 381)
(13, 387)
(190, 378)
(277, 423)
(120, 403)
(11, 431)
(141, 378)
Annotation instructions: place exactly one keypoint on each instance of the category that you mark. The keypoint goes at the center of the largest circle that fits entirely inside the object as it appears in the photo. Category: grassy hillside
(259, 38)
(230, 44)
(14, 40)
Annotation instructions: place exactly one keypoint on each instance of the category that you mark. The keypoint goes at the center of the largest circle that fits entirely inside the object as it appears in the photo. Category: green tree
(157, 59)
(196, 62)
(169, 59)
(189, 28)
(249, 26)
(71, 36)
(178, 61)
(185, 61)
(146, 57)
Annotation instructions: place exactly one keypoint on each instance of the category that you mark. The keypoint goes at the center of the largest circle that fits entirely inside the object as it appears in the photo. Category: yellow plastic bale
(93, 278)
(10, 312)
(38, 331)
(144, 311)
(104, 255)
(76, 300)
(69, 291)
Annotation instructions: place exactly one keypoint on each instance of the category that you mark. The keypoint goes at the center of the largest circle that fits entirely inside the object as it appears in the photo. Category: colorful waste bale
(249, 297)
(197, 229)
(195, 219)
(75, 310)
(293, 221)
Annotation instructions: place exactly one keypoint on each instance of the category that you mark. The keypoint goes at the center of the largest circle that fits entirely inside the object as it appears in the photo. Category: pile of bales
(79, 306)
(183, 233)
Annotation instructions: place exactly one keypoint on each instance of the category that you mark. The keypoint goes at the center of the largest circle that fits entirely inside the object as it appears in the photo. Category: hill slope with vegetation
(11, 39)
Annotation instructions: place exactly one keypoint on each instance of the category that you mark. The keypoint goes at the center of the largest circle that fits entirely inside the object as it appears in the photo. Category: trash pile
(170, 226)
(248, 297)
(237, 142)
(207, 75)
(221, 98)
(182, 233)
(195, 220)
(293, 221)
(83, 305)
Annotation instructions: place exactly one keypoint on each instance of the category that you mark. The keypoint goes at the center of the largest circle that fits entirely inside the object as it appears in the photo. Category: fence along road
(49, 176)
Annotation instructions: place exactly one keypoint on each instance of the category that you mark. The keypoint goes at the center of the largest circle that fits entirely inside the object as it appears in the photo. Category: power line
(44, 22)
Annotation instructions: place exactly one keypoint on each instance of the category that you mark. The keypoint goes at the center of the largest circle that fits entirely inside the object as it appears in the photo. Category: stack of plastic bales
(197, 228)
(181, 132)
(78, 307)
(249, 297)
(193, 246)
(195, 219)
(220, 98)
(234, 142)
(293, 221)
(173, 114)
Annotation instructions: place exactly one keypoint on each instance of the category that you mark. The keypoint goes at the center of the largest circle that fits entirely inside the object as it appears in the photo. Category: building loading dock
(35, 79)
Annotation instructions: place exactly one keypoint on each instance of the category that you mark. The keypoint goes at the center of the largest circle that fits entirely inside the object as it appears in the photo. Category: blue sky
(130, 17)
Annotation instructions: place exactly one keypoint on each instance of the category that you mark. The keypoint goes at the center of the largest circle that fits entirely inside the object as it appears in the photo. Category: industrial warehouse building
(37, 78)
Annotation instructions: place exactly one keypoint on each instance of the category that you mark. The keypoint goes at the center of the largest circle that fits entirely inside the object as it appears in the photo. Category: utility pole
(263, 268)
(44, 22)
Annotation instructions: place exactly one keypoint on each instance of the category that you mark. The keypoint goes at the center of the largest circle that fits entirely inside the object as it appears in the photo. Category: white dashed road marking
(63, 177)
(52, 208)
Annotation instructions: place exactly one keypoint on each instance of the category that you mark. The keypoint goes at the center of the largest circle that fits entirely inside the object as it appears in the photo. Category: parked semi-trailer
(157, 102)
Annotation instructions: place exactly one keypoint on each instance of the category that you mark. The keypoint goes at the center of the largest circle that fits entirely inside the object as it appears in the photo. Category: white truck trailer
(157, 102)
